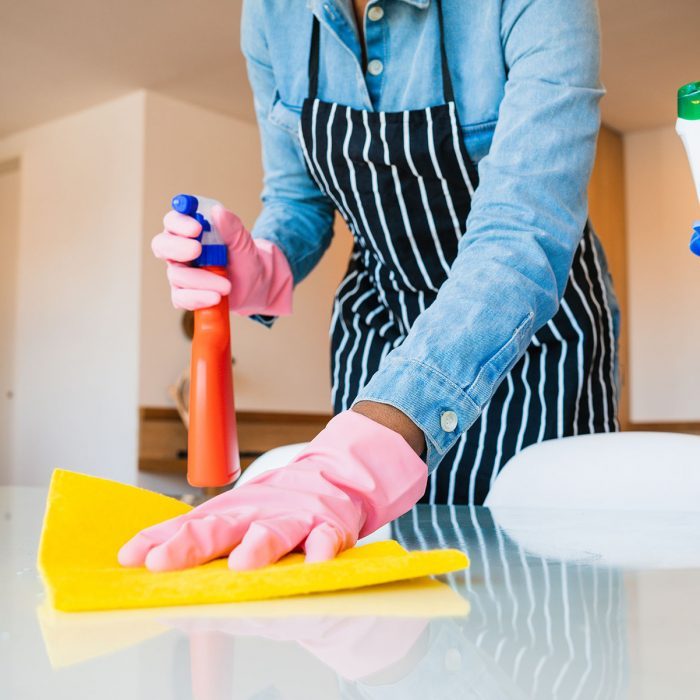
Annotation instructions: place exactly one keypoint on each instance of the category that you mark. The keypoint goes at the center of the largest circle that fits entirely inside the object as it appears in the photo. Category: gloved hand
(259, 279)
(353, 477)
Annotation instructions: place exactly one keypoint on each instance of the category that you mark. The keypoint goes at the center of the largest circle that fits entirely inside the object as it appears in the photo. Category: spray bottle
(212, 444)
(688, 128)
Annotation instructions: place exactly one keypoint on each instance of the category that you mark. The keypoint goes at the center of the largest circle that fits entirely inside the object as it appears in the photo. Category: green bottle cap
(689, 101)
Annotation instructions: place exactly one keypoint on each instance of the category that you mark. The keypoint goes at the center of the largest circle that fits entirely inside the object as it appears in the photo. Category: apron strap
(314, 52)
(313, 59)
(447, 91)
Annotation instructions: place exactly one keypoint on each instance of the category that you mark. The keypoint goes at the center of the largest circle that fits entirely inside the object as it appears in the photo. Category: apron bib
(403, 182)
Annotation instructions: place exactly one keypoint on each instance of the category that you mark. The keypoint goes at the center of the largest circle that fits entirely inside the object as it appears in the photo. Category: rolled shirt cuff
(439, 407)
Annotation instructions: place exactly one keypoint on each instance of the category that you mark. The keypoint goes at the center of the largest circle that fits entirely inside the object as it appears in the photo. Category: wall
(95, 334)
(664, 279)
(77, 286)
(190, 149)
(9, 230)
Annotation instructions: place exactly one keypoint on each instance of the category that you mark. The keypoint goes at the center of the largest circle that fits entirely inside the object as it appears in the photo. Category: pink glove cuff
(261, 279)
(372, 464)
(271, 293)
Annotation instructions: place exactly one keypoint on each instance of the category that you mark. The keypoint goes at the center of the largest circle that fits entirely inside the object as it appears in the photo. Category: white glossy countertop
(558, 605)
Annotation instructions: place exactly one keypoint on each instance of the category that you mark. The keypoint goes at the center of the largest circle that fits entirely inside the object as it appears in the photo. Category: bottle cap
(689, 101)
(214, 255)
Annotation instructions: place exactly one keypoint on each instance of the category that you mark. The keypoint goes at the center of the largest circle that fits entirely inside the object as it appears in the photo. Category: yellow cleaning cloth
(88, 519)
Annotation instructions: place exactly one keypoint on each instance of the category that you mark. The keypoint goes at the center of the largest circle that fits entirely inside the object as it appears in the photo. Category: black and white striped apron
(403, 182)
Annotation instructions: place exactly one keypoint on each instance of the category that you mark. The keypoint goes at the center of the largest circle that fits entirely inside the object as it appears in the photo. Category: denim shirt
(526, 81)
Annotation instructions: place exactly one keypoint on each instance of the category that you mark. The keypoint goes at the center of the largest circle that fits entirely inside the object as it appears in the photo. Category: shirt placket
(332, 14)
(376, 46)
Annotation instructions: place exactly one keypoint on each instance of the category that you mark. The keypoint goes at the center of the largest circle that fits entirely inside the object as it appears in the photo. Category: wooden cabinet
(163, 438)
(606, 198)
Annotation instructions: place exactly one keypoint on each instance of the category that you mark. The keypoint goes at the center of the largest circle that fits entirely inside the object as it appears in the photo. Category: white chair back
(273, 459)
(606, 471)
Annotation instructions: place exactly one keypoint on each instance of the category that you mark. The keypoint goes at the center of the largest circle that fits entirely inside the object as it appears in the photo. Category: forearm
(301, 230)
(296, 216)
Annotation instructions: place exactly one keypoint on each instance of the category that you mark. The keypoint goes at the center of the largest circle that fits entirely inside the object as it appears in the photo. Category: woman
(476, 316)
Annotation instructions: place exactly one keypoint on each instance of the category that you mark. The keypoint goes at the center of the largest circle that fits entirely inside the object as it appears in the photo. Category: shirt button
(448, 421)
(375, 13)
(375, 67)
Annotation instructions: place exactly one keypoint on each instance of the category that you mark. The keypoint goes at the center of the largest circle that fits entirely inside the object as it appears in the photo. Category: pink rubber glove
(259, 278)
(354, 476)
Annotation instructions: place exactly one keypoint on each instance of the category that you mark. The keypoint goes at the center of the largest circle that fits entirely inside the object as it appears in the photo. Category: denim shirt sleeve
(296, 216)
(526, 222)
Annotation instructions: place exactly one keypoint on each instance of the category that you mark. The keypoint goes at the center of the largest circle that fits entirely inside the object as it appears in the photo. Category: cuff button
(448, 421)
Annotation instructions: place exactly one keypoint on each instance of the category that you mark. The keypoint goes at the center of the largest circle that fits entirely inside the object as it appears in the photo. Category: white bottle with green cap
(688, 126)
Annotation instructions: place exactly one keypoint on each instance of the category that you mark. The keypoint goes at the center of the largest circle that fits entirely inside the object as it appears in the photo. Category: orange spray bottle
(212, 443)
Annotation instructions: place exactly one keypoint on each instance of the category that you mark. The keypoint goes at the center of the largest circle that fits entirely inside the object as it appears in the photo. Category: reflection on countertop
(555, 604)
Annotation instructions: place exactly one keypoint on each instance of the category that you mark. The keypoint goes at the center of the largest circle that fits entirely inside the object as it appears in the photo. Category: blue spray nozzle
(206, 226)
(695, 239)
(188, 204)
(214, 251)
(185, 204)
